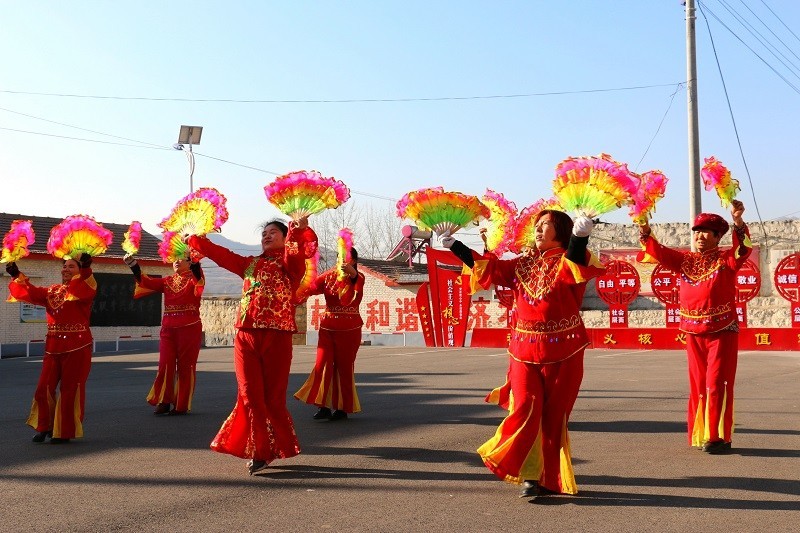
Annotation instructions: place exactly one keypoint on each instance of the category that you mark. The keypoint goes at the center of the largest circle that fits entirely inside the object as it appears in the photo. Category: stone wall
(773, 241)
(218, 314)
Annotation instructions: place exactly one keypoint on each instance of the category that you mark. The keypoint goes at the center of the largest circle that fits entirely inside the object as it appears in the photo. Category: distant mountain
(220, 282)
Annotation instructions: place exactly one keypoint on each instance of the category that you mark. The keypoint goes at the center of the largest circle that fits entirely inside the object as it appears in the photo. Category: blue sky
(133, 63)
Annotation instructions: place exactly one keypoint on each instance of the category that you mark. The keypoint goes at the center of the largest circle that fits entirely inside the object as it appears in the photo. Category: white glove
(582, 227)
(447, 240)
(130, 260)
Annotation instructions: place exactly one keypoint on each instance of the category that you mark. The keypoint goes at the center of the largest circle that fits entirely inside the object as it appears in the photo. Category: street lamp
(189, 135)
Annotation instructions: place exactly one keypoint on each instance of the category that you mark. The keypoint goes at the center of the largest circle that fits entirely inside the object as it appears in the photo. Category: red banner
(450, 297)
(424, 310)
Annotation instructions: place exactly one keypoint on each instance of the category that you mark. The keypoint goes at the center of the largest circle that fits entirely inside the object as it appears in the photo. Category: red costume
(181, 335)
(260, 427)
(546, 365)
(332, 381)
(708, 315)
(67, 352)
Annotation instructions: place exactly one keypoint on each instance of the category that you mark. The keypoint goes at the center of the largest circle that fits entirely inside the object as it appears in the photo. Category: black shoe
(57, 440)
(530, 489)
(161, 409)
(338, 415)
(175, 412)
(323, 414)
(717, 447)
(254, 465)
(39, 437)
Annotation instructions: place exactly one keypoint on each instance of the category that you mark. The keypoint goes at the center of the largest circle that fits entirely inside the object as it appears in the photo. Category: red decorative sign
(618, 287)
(449, 296)
(748, 283)
(424, 310)
(666, 286)
(787, 282)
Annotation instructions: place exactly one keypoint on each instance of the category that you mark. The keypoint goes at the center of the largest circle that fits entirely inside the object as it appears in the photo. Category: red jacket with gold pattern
(271, 280)
(708, 281)
(342, 299)
(548, 291)
(68, 306)
(182, 294)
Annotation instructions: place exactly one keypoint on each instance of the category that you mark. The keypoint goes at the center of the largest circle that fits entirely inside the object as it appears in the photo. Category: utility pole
(695, 206)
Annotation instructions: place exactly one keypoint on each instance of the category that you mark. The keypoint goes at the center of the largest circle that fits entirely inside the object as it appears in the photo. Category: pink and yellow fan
(303, 193)
(591, 186)
(716, 176)
(76, 235)
(17, 240)
(441, 211)
(653, 186)
(344, 245)
(524, 227)
(499, 225)
(133, 238)
(198, 213)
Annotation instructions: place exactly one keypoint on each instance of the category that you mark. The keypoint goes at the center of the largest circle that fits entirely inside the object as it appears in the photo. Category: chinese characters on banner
(450, 298)
(618, 287)
(748, 283)
(786, 282)
(666, 286)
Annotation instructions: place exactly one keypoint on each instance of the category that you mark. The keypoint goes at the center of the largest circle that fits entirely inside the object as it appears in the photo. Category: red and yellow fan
(653, 186)
(198, 213)
(441, 211)
(344, 245)
(76, 235)
(594, 185)
(133, 238)
(499, 225)
(716, 176)
(303, 193)
(17, 240)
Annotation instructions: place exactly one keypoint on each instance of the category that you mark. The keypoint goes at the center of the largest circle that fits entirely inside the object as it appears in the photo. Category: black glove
(196, 270)
(12, 269)
(85, 260)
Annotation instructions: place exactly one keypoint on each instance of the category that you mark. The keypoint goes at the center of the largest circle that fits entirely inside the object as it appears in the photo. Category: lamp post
(189, 135)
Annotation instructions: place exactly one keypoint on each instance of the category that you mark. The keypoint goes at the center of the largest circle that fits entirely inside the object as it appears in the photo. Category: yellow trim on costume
(578, 271)
(475, 273)
(568, 484)
(33, 417)
(746, 243)
(698, 429)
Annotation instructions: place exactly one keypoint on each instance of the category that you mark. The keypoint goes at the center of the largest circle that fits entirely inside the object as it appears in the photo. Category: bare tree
(376, 230)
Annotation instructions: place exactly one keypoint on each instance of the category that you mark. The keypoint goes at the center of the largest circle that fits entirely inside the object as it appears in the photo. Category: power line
(342, 101)
(735, 129)
(780, 20)
(704, 8)
(770, 30)
(763, 41)
(671, 100)
(82, 139)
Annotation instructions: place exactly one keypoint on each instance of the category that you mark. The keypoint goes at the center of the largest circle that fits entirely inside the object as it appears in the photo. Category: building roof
(395, 273)
(148, 247)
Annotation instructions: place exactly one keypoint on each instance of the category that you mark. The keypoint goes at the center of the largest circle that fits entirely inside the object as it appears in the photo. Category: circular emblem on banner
(787, 277)
(666, 285)
(620, 284)
(748, 282)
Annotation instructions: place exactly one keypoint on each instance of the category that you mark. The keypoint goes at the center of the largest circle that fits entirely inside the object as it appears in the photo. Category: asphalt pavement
(407, 462)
